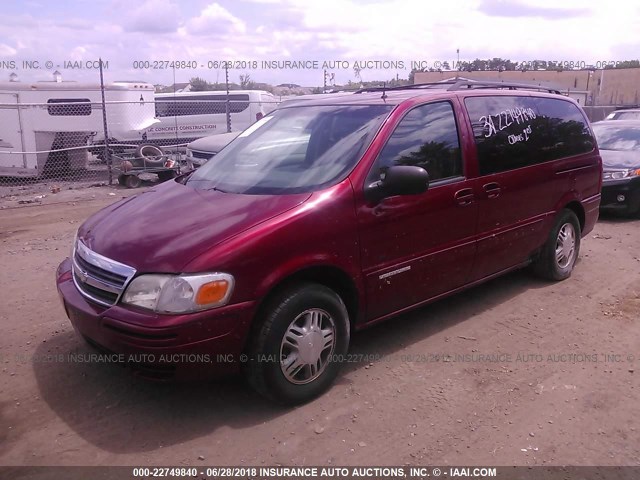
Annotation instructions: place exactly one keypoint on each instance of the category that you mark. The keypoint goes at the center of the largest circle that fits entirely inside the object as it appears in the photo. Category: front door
(417, 247)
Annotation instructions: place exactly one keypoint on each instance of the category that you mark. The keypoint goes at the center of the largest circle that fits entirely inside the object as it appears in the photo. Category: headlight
(619, 174)
(179, 293)
(189, 153)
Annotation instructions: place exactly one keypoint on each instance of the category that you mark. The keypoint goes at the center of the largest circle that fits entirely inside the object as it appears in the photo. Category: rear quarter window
(515, 132)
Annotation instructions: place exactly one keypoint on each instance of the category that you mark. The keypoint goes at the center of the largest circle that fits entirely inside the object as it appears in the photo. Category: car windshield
(613, 137)
(293, 150)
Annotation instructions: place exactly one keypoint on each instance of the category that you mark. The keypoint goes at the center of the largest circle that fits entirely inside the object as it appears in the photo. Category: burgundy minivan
(327, 216)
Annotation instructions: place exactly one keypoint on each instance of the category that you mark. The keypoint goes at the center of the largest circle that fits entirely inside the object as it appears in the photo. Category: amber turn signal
(212, 292)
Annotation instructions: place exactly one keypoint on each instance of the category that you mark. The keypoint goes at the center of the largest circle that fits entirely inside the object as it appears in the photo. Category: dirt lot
(550, 374)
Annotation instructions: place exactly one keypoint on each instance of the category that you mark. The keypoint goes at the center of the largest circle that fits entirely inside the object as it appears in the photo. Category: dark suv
(330, 215)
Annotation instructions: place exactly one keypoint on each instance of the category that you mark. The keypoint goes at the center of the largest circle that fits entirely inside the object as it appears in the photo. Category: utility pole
(226, 73)
(107, 151)
(589, 96)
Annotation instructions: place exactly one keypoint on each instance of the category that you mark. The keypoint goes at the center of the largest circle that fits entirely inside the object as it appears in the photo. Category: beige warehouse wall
(606, 87)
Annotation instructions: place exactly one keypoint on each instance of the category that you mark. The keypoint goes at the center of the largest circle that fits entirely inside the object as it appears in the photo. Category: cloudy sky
(204, 31)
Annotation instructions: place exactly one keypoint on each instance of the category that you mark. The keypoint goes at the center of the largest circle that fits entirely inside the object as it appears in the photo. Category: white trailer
(48, 125)
(187, 116)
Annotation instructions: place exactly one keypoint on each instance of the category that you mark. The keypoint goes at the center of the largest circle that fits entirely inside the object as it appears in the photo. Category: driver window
(426, 137)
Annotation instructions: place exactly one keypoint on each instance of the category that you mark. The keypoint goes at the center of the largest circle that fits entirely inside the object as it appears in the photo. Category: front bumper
(629, 188)
(162, 347)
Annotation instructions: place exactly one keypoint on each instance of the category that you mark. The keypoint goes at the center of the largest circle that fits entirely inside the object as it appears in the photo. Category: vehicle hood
(619, 159)
(212, 143)
(163, 229)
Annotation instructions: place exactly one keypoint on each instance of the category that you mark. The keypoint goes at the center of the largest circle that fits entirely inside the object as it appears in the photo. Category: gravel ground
(514, 372)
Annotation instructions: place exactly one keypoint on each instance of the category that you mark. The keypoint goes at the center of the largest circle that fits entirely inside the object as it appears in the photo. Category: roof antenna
(384, 90)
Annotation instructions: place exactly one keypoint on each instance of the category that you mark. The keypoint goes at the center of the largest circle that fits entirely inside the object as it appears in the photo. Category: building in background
(609, 87)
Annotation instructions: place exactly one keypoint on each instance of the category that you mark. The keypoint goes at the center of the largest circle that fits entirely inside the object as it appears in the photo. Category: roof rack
(405, 87)
(472, 84)
(462, 84)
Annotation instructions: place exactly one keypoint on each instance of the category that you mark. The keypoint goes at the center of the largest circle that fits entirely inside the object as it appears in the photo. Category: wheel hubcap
(565, 245)
(307, 346)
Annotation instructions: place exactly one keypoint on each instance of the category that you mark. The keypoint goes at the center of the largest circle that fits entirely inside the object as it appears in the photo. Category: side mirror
(398, 180)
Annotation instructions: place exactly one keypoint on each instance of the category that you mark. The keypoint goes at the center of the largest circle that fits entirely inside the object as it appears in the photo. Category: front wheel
(296, 352)
(560, 252)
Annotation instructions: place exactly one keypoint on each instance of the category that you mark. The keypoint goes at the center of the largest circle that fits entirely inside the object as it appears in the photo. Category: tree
(222, 87)
(628, 64)
(463, 66)
(200, 85)
(500, 64)
(479, 65)
(412, 75)
(356, 72)
(245, 81)
(261, 86)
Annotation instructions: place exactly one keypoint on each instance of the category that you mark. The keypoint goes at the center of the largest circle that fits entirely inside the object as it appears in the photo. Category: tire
(151, 155)
(560, 252)
(122, 180)
(310, 311)
(132, 181)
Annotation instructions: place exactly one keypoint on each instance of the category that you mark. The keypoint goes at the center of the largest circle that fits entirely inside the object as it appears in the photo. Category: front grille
(104, 275)
(99, 278)
(95, 293)
(202, 155)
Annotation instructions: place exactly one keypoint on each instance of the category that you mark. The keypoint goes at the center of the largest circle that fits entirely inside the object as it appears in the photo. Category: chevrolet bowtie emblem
(83, 275)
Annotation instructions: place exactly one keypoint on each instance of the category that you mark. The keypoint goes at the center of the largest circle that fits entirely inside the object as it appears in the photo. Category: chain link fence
(66, 135)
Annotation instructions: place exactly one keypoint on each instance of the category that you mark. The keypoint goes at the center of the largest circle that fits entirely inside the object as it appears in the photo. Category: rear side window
(201, 105)
(426, 137)
(516, 132)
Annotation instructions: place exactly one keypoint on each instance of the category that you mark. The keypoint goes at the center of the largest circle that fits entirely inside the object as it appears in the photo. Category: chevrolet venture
(330, 215)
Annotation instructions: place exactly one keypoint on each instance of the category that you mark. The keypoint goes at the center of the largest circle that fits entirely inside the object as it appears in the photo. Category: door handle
(492, 189)
(464, 197)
